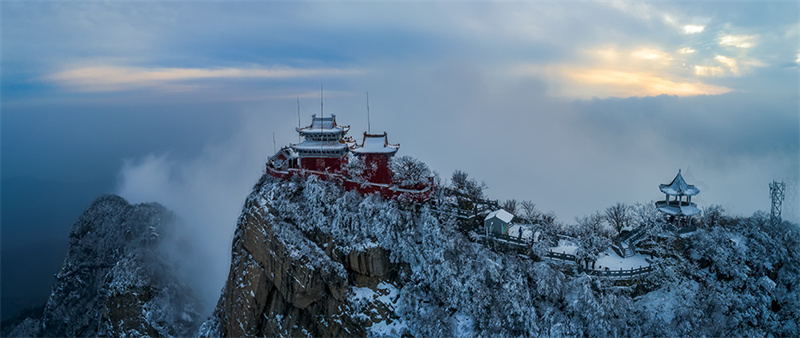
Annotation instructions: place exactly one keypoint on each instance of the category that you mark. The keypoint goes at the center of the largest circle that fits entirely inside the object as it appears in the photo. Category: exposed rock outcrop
(114, 281)
(284, 281)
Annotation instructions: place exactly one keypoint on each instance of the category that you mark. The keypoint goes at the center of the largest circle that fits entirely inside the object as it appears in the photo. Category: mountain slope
(114, 280)
(310, 259)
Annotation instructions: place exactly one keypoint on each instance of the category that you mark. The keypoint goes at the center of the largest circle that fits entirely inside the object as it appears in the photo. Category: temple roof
(323, 125)
(501, 214)
(678, 187)
(375, 144)
(327, 146)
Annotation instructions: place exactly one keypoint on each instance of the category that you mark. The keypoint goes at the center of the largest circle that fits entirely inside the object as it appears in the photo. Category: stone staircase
(628, 250)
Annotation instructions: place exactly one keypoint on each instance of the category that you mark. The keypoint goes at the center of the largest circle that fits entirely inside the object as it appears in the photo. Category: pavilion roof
(323, 125)
(678, 187)
(375, 144)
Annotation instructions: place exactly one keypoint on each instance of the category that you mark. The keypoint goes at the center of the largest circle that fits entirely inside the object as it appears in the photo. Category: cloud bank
(119, 78)
(207, 193)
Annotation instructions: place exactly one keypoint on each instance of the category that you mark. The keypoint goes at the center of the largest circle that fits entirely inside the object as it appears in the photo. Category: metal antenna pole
(776, 192)
(369, 131)
(322, 118)
(298, 118)
(274, 144)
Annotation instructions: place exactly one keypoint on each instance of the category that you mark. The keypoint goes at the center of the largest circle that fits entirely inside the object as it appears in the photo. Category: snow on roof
(678, 187)
(287, 152)
(323, 125)
(320, 145)
(323, 122)
(375, 144)
(501, 214)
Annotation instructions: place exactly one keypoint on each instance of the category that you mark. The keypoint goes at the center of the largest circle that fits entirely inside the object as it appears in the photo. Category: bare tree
(619, 216)
(713, 215)
(459, 179)
(591, 224)
(529, 211)
(510, 206)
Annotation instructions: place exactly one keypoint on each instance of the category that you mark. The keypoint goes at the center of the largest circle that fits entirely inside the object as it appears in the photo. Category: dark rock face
(286, 282)
(114, 281)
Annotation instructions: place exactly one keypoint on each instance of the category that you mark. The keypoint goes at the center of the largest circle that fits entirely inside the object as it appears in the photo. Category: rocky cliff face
(115, 281)
(287, 281)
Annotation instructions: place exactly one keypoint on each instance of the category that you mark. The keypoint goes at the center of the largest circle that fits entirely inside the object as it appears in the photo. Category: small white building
(498, 222)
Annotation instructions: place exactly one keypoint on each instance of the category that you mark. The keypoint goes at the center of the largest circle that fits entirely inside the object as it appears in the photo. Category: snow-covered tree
(593, 237)
(409, 172)
(463, 183)
(736, 280)
(356, 168)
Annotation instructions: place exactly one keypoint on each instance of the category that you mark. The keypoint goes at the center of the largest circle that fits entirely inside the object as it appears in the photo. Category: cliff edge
(114, 280)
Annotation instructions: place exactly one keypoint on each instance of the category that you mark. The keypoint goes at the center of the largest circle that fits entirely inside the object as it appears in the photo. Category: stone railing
(514, 239)
(563, 256)
(617, 273)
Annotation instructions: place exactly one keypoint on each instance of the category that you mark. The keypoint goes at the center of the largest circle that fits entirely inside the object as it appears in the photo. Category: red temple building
(323, 147)
(375, 150)
(324, 152)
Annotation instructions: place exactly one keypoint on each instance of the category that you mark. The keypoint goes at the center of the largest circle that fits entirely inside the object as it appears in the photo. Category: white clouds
(738, 41)
(617, 83)
(652, 54)
(615, 72)
(708, 71)
(312, 44)
(638, 10)
(117, 78)
(693, 29)
(728, 62)
(207, 193)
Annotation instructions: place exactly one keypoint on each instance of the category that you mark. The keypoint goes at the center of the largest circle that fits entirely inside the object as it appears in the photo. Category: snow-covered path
(612, 261)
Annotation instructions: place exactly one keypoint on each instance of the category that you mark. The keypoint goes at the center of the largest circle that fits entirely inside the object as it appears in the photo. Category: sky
(572, 105)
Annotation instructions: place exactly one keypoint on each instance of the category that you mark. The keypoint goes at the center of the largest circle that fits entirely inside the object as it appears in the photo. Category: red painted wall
(382, 173)
(321, 164)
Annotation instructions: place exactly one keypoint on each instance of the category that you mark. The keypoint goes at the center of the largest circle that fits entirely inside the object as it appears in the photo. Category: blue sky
(573, 105)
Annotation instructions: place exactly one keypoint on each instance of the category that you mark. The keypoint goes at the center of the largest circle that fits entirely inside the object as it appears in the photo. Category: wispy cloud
(739, 41)
(107, 78)
(728, 62)
(620, 83)
(640, 71)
